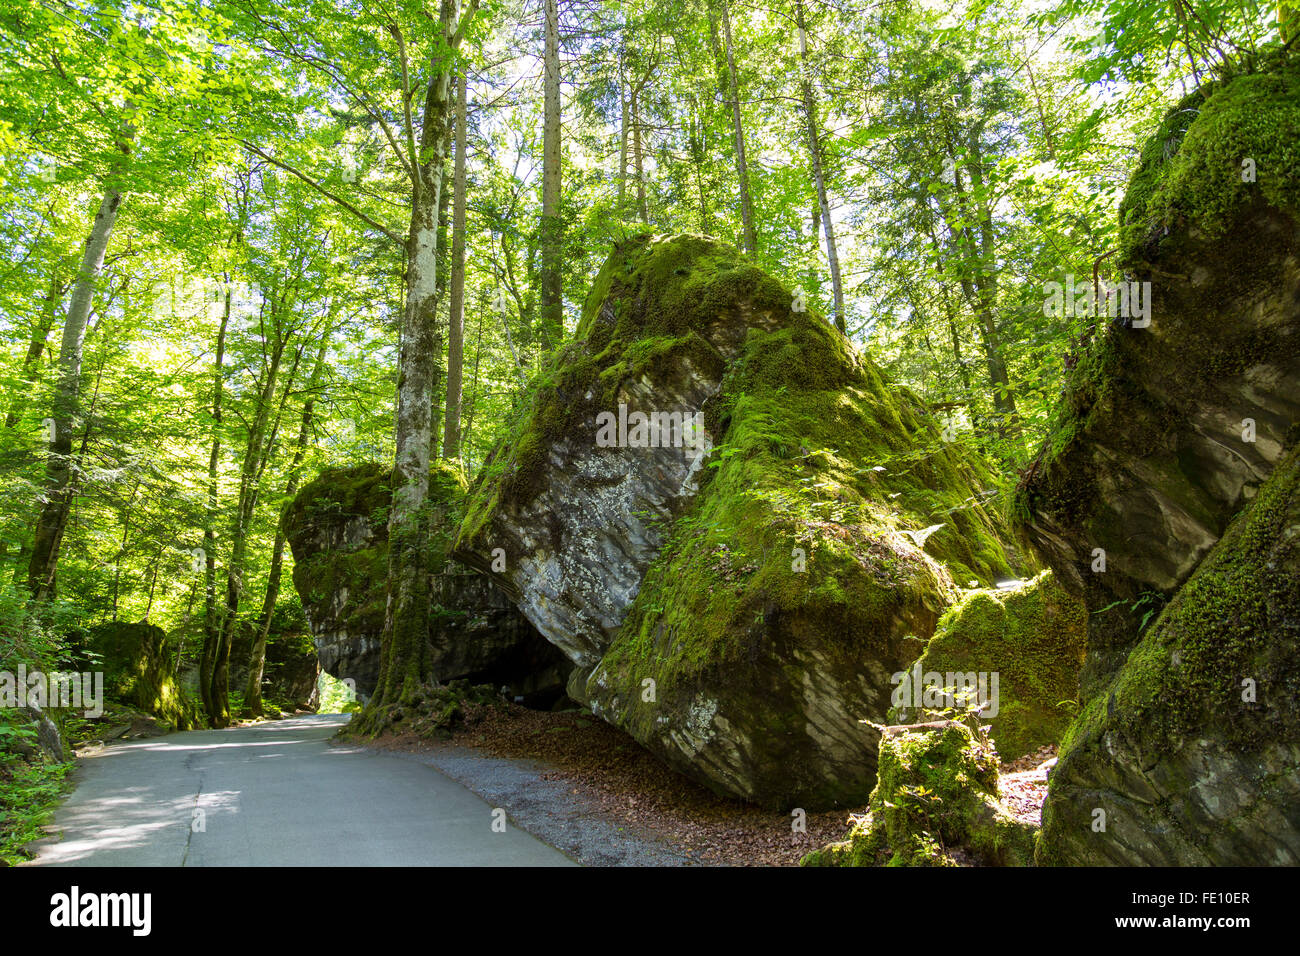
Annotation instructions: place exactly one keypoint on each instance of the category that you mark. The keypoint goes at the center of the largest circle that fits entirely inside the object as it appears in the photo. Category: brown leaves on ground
(631, 787)
(1022, 784)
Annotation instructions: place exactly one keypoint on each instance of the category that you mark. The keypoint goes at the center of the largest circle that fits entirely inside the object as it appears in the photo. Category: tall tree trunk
(815, 150)
(257, 657)
(552, 231)
(456, 311)
(211, 619)
(623, 132)
(404, 656)
(979, 285)
(444, 269)
(58, 501)
(642, 207)
(256, 450)
(738, 130)
(696, 133)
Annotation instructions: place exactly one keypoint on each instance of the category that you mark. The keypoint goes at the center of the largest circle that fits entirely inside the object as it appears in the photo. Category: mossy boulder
(139, 663)
(737, 606)
(1166, 496)
(337, 528)
(936, 804)
(1165, 432)
(1026, 644)
(1192, 752)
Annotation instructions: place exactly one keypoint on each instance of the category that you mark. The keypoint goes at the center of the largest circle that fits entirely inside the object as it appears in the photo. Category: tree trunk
(642, 207)
(54, 515)
(622, 142)
(257, 658)
(256, 451)
(742, 168)
(552, 231)
(456, 312)
(404, 657)
(815, 150)
(211, 622)
(696, 134)
(443, 270)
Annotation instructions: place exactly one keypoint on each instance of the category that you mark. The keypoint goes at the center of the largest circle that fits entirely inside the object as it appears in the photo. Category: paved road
(276, 794)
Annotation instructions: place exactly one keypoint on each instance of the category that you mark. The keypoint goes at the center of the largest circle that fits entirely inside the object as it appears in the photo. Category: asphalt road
(277, 794)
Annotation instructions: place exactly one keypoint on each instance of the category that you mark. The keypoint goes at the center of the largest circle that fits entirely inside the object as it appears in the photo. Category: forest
(310, 311)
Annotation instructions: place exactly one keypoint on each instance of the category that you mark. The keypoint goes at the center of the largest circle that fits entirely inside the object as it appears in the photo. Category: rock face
(1193, 751)
(138, 663)
(1166, 431)
(337, 529)
(1026, 644)
(739, 612)
(1174, 452)
(936, 804)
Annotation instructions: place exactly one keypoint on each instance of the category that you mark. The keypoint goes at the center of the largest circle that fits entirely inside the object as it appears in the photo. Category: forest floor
(575, 778)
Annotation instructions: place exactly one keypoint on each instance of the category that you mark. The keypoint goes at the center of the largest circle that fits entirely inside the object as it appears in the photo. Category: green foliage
(29, 792)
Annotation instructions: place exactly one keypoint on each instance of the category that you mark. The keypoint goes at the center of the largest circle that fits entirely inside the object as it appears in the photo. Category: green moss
(815, 452)
(138, 663)
(1033, 637)
(1216, 674)
(337, 496)
(935, 804)
(1228, 623)
(1192, 168)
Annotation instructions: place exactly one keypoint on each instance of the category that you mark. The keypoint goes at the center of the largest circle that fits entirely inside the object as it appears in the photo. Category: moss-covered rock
(738, 606)
(1192, 753)
(936, 804)
(1232, 143)
(139, 663)
(1027, 644)
(1166, 494)
(1166, 431)
(337, 528)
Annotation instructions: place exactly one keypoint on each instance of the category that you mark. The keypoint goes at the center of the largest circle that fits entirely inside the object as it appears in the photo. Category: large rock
(139, 666)
(1022, 646)
(338, 531)
(739, 613)
(1173, 453)
(1166, 431)
(1192, 753)
(936, 804)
